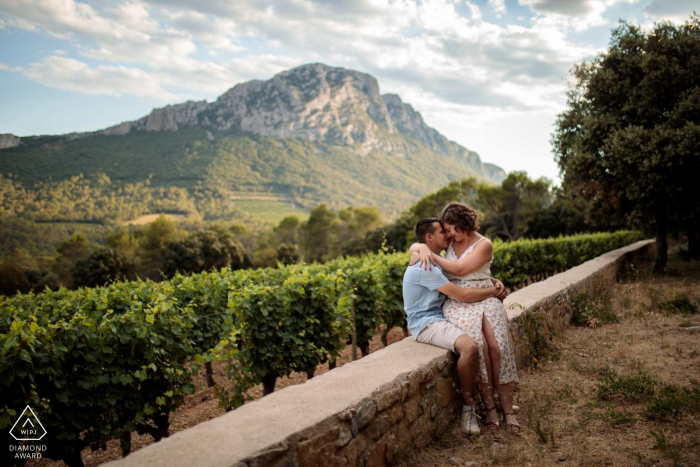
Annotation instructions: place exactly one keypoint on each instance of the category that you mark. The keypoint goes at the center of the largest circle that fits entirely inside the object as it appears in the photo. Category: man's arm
(467, 295)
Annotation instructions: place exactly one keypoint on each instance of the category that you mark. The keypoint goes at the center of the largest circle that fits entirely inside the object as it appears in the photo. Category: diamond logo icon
(28, 427)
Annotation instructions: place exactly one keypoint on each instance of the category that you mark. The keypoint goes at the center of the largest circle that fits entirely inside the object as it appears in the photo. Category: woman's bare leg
(505, 391)
(486, 391)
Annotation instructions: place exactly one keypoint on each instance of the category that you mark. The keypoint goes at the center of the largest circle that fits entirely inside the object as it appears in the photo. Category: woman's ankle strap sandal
(491, 420)
(513, 427)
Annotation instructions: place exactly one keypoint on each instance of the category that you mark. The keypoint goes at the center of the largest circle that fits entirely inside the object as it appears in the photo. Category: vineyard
(99, 364)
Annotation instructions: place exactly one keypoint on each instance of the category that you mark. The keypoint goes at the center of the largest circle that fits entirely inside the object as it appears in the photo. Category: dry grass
(569, 420)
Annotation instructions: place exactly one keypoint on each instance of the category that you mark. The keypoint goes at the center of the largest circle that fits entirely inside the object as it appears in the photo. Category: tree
(510, 208)
(152, 244)
(75, 248)
(288, 254)
(316, 234)
(70, 251)
(203, 251)
(629, 138)
(286, 232)
(121, 240)
(100, 267)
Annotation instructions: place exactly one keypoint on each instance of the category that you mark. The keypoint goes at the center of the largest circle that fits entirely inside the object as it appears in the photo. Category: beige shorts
(441, 334)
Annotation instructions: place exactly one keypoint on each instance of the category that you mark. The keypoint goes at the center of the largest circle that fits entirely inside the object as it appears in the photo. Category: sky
(491, 74)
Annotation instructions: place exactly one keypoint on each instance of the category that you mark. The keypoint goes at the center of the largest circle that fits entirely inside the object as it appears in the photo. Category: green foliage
(513, 205)
(681, 303)
(100, 267)
(621, 417)
(629, 137)
(537, 338)
(94, 362)
(203, 251)
(665, 447)
(516, 262)
(290, 327)
(592, 310)
(517, 208)
(288, 254)
(316, 234)
(633, 386)
(673, 402)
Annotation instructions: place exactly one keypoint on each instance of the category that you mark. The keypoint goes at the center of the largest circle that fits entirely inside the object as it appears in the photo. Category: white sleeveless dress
(468, 317)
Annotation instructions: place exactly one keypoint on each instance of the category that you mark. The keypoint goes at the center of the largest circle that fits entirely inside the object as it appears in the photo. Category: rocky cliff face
(312, 102)
(9, 141)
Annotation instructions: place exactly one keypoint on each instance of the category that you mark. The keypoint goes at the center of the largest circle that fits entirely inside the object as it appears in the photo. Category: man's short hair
(424, 227)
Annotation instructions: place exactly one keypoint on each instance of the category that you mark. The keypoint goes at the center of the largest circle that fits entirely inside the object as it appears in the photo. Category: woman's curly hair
(461, 216)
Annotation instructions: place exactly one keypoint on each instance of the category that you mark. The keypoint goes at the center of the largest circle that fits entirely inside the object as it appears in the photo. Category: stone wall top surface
(237, 434)
(527, 297)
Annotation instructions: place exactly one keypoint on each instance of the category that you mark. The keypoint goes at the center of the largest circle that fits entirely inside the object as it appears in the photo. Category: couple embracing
(454, 303)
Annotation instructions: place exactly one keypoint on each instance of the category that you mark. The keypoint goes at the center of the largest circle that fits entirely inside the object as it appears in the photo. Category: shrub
(634, 386)
(592, 310)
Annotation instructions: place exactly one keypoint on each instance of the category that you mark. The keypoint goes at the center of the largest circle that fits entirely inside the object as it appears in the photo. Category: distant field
(148, 218)
(270, 210)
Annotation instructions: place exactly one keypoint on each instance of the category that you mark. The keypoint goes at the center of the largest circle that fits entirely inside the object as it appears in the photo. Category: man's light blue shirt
(421, 299)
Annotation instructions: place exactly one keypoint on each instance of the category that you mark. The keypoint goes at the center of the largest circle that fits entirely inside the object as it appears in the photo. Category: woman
(466, 263)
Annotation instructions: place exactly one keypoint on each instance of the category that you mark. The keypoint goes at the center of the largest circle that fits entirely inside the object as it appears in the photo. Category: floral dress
(468, 317)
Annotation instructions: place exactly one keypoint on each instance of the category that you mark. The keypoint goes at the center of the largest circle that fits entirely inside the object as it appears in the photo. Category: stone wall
(368, 412)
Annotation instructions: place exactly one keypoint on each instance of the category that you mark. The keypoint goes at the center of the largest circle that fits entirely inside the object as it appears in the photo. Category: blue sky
(490, 74)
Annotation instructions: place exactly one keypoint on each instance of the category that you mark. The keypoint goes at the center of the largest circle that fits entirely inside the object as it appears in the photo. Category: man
(423, 295)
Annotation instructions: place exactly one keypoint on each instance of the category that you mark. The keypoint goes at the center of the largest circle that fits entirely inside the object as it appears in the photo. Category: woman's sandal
(491, 420)
(513, 427)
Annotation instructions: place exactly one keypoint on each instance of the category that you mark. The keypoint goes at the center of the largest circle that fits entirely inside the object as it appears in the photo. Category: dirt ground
(203, 405)
(573, 416)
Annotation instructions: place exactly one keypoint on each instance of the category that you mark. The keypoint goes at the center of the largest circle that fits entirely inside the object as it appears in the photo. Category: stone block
(388, 398)
(346, 415)
(428, 374)
(446, 392)
(376, 457)
(267, 456)
(411, 385)
(422, 430)
(319, 451)
(412, 409)
(344, 435)
(394, 414)
(448, 370)
(350, 454)
(391, 453)
(365, 414)
(378, 427)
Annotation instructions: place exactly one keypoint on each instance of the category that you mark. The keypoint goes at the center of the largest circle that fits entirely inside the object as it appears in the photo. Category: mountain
(313, 133)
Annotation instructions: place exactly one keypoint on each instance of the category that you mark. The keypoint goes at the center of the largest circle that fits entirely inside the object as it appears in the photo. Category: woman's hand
(415, 257)
(500, 289)
(426, 257)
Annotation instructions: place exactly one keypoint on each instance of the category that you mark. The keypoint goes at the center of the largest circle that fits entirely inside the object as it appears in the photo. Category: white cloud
(454, 56)
(573, 14)
(498, 5)
(677, 11)
(72, 75)
(6, 67)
